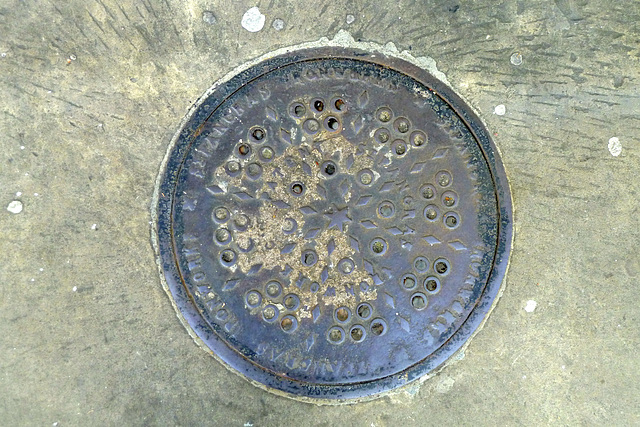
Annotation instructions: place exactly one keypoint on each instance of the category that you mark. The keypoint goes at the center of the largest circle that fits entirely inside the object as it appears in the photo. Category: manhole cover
(333, 224)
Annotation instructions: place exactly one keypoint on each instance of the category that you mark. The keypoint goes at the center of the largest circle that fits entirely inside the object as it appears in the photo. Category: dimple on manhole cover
(333, 224)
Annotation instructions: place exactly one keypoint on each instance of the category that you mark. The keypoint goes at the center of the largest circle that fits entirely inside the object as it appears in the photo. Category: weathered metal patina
(333, 224)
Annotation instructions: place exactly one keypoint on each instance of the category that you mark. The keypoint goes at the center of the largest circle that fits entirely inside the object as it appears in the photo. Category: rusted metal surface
(334, 224)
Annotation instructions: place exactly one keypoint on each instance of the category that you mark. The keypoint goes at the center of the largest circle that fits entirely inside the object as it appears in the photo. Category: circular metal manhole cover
(333, 224)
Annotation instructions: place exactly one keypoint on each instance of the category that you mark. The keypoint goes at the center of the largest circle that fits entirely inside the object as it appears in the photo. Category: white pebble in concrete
(350, 19)
(500, 110)
(531, 306)
(516, 58)
(15, 207)
(209, 18)
(445, 385)
(615, 148)
(253, 20)
(278, 24)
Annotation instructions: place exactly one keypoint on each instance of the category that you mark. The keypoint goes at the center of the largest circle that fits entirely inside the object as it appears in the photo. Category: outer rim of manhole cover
(173, 282)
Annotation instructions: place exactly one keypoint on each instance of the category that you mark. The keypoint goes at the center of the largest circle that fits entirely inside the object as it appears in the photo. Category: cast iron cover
(333, 223)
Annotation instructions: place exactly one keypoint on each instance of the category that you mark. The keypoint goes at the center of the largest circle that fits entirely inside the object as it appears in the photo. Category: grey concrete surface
(92, 92)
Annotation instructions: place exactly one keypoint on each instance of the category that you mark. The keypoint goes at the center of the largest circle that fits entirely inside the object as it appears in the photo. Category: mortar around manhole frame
(331, 240)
